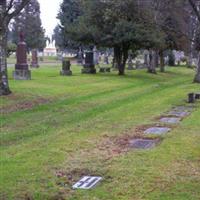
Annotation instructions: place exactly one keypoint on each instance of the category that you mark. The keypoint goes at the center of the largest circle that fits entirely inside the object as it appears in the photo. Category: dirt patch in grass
(25, 105)
(66, 178)
(117, 145)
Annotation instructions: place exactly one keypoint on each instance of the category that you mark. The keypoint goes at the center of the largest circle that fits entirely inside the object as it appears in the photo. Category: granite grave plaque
(170, 120)
(178, 113)
(157, 130)
(143, 143)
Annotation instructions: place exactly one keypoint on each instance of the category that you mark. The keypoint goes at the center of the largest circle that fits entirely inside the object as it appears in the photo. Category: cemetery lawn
(55, 129)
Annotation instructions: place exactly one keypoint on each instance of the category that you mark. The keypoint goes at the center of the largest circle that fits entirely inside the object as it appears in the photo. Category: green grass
(83, 114)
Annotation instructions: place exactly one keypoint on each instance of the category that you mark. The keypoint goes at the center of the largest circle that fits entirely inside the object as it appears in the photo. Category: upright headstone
(89, 67)
(106, 59)
(66, 68)
(21, 68)
(96, 56)
(130, 63)
(80, 57)
(34, 62)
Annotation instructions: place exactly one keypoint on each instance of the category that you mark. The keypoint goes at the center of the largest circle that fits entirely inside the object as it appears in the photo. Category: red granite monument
(21, 68)
(34, 62)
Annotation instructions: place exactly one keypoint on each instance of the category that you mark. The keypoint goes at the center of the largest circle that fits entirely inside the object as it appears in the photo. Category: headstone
(191, 98)
(197, 96)
(87, 182)
(80, 57)
(21, 68)
(139, 65)
(157, 130)
(96, 56)
(66, 68)
(106, 59)
(170, 120)
(34, 62)
(130, 63)
(89, 67)
(41, 56)
(178, 56)
(143, 143)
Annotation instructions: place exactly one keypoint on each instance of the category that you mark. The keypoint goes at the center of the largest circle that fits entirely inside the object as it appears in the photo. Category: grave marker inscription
(87, 182)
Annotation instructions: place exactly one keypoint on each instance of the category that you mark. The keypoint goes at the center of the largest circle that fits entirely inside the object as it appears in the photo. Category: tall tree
(58, 37)
(29, 22)
(196, 9)
(7, 12)
(118, 24)
(70, 11)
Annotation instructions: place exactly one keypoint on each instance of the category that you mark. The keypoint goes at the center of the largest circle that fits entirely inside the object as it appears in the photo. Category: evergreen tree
(30, 23)
(70, 11)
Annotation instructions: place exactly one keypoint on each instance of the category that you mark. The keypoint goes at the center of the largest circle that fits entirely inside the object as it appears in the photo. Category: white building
(50, 49)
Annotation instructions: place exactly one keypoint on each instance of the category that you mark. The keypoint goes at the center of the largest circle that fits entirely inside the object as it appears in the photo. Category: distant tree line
(131, 25)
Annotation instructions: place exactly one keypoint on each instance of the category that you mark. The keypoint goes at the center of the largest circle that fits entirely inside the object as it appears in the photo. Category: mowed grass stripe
(46, 127)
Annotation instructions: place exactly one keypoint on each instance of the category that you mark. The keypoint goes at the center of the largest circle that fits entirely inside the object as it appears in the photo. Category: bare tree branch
(18, 9)
(10, 5)
(195, 9)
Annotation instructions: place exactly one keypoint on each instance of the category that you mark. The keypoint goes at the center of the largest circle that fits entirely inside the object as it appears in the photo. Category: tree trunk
(4, 87)
(197, 76)
(123, 60)
(118, 55)
(162, 62)
(189, 60)
(152, 64)
(121, 56)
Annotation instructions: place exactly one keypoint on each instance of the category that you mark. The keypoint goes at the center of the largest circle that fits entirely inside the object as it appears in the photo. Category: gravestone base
(22, 74)
(88, 70)
(66, 73)
(104, 69)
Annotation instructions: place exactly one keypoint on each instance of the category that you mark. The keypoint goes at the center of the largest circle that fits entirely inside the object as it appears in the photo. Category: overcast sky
(49, 11)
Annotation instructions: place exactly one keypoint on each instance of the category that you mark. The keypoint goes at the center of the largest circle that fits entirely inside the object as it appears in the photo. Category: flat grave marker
(157, 130)
(87, 182)
(143, 143)
(183, 108)
(178, 113)
(170, 120)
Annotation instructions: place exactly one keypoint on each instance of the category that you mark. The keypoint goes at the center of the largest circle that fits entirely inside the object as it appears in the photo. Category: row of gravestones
(172, 117)
(22, 71)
